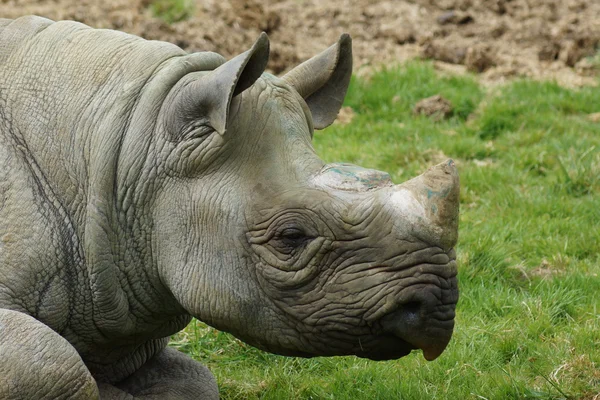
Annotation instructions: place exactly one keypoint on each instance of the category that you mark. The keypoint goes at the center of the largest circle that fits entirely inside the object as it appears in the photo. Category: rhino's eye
(291, 238)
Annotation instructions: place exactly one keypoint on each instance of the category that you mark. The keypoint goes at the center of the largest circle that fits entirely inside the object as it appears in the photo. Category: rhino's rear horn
(323, 81)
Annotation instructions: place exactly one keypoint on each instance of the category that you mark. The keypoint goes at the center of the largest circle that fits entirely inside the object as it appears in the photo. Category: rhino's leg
(37, 363)
(168, 375)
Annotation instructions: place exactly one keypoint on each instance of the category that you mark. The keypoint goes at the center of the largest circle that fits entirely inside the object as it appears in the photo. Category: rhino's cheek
(288, 273)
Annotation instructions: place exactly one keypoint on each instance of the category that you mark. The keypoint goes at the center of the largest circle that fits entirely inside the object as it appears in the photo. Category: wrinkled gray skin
(140, 186)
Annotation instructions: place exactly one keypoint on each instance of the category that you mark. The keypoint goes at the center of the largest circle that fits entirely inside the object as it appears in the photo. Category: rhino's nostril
(412, 307)
(408, 314)
(406, 319)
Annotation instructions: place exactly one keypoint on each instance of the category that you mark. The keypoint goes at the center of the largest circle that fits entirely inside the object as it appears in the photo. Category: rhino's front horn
(431, 202)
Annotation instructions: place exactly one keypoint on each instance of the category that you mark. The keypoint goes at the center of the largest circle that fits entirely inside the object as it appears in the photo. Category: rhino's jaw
(394, 315)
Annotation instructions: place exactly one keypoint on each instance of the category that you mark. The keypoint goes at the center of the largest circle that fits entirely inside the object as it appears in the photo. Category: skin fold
(141, 186)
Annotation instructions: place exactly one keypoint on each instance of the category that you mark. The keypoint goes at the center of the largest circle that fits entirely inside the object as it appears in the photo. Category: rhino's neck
(76, 99)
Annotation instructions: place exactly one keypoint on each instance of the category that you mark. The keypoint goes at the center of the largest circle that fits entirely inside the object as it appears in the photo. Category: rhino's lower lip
(388, 348)
(431, 354)
(392, 348)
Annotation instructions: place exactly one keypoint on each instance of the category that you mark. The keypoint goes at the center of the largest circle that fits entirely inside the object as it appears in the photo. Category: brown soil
(435, 107)
(497, 38)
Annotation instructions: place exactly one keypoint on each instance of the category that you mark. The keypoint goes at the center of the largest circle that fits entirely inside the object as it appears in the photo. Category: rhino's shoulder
(27, 26)
(30, 37)
(15, 33)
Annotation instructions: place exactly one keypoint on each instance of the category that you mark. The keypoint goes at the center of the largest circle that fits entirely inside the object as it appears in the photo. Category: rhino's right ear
(209, 97)
(323, 81)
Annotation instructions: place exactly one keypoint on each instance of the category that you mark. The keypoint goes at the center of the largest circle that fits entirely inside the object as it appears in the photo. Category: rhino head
(255, 235)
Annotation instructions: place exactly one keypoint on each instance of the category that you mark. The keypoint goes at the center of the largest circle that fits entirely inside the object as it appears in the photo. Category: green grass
(528, 321)
(172, 11)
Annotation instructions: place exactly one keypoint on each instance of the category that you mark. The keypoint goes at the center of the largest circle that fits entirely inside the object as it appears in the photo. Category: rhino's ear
(323, 81)
(210, 97)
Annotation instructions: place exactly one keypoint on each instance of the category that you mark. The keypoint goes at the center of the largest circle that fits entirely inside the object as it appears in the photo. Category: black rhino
(141, 186)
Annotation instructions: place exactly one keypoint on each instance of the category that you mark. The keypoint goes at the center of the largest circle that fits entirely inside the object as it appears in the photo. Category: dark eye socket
(292, 233)
(292, 237)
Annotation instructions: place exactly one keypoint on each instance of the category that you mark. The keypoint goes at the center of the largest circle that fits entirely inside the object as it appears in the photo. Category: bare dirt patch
(436, 107)
(498, 39)
(345, 116)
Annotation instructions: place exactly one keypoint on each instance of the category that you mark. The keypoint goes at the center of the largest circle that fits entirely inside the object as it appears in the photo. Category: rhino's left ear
(235, 76)
(323, 81)
(210, 96)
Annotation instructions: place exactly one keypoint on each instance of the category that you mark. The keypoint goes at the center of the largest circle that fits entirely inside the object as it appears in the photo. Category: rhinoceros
(141, 186)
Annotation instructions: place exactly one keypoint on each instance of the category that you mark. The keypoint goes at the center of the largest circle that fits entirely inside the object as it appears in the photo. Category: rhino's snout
(426, 208)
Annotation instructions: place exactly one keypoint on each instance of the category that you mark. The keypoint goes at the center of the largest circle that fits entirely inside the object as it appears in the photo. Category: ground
(550, 39)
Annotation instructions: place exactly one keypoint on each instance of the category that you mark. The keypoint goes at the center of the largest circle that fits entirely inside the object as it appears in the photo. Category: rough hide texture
(141, 186)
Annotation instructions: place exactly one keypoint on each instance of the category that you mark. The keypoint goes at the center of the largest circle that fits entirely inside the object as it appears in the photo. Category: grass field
(528, 320)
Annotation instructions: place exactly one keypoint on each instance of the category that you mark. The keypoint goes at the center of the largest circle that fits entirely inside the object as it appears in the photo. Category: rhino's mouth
(407, 329)
(431, 336)
(425, 321)
(410, 327)
(423, 318)
(389, 347)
